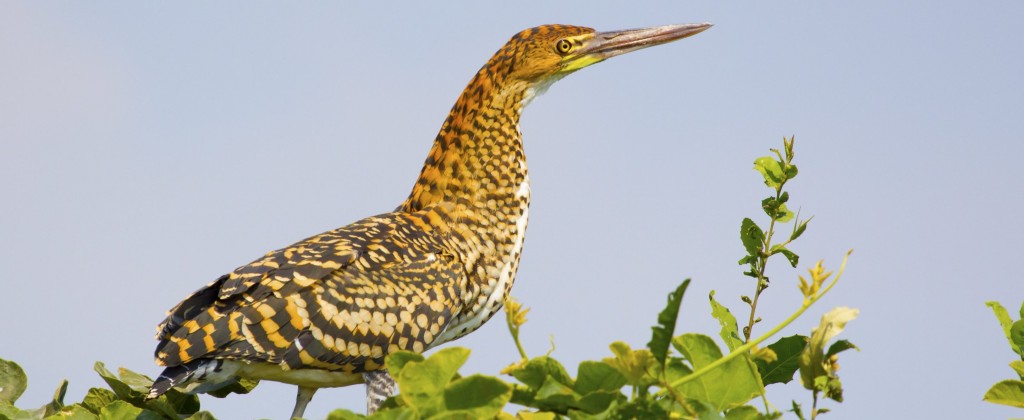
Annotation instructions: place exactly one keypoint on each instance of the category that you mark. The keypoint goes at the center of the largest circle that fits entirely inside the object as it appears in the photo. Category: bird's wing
(341, 300)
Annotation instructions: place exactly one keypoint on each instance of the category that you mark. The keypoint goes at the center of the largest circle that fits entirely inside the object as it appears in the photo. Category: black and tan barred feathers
(340, 300)
(327, 310)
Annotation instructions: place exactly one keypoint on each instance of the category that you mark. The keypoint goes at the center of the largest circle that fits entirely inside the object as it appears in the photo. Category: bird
(327, 310)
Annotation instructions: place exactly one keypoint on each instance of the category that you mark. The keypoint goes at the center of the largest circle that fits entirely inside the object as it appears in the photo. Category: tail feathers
(201, 375)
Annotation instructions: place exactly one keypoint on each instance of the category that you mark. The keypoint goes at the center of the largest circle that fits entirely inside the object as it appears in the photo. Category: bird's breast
(499, 248)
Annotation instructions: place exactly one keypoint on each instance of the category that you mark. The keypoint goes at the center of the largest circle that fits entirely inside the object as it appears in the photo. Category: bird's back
(338, 301)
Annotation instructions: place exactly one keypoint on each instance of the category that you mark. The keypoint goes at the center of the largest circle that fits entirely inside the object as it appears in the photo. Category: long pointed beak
(604, 45)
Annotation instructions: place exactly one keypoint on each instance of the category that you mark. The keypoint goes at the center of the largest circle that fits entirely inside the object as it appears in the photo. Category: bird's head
(541, 55)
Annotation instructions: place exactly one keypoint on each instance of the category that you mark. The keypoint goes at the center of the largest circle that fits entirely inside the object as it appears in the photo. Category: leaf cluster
(675, 376)
(125, 398)
(1011, 391)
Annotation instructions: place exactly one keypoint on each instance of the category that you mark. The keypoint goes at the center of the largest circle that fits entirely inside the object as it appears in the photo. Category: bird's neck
(477, 171)
(477, 161)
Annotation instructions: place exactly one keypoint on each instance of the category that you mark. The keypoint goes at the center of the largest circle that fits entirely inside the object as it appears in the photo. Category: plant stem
(762, 263)
(814, 405)
(514, 330)
(750, 344)
(679, 398)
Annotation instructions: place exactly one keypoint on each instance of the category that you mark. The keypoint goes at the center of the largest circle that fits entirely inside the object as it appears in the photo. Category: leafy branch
(757, 241)
(809, 299)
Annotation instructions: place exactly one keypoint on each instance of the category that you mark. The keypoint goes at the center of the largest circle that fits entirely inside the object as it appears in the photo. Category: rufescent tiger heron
(325, 311)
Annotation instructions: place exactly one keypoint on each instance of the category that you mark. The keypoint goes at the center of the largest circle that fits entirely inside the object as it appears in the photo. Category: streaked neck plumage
(476, 169)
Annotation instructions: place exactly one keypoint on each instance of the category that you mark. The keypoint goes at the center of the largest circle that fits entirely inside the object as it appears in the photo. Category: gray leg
(379, 386)
(305, 394)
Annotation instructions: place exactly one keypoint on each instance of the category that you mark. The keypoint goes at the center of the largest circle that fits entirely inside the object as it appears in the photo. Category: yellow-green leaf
(1018, 366)
(13, 381)
(770, 170)
(1008, 392)
(1005, 322)
(477, 395)
(73, 412)
(729, 332)
(728, 386)
(422, 384)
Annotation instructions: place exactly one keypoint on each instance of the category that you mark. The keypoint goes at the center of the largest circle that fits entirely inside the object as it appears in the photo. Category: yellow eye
(563, 46)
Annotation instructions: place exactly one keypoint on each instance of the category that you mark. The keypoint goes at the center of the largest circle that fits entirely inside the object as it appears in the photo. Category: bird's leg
(305, 394)
(379, 386)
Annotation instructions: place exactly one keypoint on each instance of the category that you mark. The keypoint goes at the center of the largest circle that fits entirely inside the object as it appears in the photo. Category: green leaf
(661, 334)
(528, 415)
(73, 412)
(771, 170)
(1018, 366)
(770, 206)
(640, 408)
(1017, 336)
(479, 396)
(342, 414)
(706, 411)
(797, 410)
(635, 365)
(136, 381)
(743, 412)
(555, 396)
(538, 369)
(597, 376)
(422, 384)
(799, 229)
(598, 401)
(179, 402)
(523, 395)
(790, 255)
(1005, 322)
(123, 390)
(400, 413)
(241, 386)
(1008, 392)
(752, 237)
(787, 350)
(169, 405)
(13, 381)
(747, 412)
(97, 398)
(730, 385)
(783, 214)
(729, 333)
(397, 360)
(839, 347)
(119, 410)
(57, 403)
(791, 171)
(8, 411)
(202, 415)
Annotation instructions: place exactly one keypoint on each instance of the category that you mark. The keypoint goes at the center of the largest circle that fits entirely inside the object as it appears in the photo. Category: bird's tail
(202, 375)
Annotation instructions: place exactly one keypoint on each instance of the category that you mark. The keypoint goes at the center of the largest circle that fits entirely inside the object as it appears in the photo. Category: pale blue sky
(147, 148)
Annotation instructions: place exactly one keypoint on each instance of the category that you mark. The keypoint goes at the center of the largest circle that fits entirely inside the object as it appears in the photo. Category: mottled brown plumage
(325, 310)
